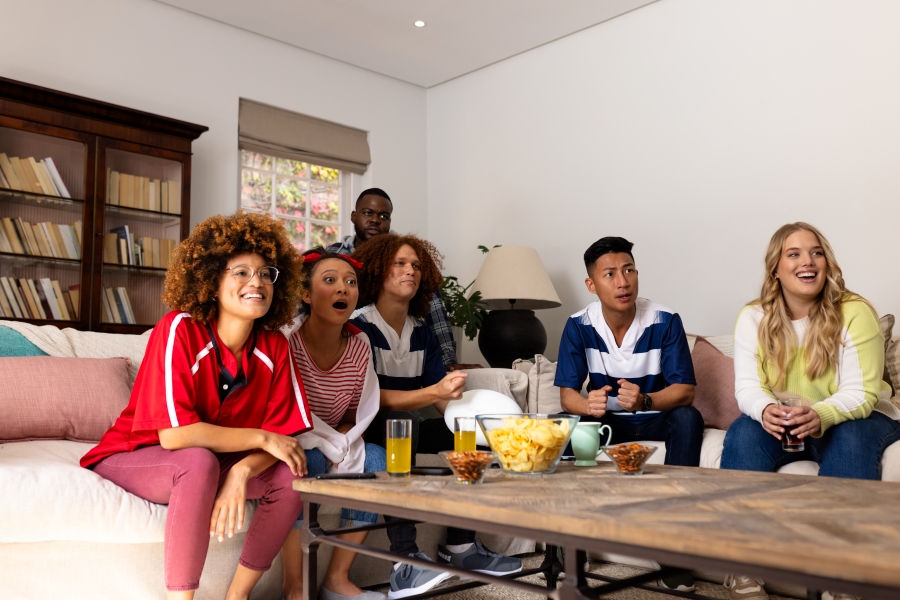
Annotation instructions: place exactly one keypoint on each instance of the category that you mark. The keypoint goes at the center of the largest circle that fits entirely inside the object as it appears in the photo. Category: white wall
(694, 128)
(153, 57)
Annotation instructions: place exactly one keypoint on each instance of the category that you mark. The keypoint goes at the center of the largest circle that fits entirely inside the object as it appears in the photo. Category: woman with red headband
(334, 361)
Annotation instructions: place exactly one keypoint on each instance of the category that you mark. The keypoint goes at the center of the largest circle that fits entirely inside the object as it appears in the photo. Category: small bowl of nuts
(629, 458)
(469, 466)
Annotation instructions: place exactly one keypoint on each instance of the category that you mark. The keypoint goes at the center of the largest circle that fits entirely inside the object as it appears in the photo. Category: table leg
(813, 595)
(310, 550)
(551, 566)
(574, 584)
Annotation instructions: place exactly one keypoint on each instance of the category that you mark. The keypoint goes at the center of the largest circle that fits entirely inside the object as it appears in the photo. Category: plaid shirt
(437, 318)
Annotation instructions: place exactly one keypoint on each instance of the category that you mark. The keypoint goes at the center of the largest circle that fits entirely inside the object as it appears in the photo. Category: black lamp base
(511, 334)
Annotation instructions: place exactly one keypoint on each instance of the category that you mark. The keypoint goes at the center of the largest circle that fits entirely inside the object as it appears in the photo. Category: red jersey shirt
(189, 376)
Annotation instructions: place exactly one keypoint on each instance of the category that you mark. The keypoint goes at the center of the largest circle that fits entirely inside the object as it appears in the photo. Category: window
(306, 197)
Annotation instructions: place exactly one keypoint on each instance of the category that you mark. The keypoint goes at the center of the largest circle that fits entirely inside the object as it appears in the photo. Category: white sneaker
(742, 587)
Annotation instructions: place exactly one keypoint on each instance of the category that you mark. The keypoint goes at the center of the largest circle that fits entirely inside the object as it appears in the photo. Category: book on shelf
(51, 240)
(136, 191)
(36, 299)
(113, 302)
(4, 184)
(30, 175)
(74, 295)
(11, 177)
(56, 178)
(43, 177)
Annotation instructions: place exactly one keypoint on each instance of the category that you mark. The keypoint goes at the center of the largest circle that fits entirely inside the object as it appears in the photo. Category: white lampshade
(515, 273)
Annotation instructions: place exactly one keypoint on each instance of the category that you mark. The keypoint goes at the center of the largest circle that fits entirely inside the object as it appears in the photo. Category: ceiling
(460, 36)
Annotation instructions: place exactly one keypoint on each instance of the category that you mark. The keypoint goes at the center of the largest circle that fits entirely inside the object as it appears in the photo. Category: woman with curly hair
(808, 336)
(400, 275)
(334, 360)
(216, 402)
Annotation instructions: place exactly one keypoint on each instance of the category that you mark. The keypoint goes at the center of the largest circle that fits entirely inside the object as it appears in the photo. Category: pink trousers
(187, 480)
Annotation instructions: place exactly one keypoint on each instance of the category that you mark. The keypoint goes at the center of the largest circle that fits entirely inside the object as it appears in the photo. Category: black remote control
(431, 471)
(346, 476)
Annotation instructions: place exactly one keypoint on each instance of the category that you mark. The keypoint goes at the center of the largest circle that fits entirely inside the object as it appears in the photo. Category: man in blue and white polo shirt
(636, 355)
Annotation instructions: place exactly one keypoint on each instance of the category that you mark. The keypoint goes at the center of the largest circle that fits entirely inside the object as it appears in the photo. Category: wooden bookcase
(91, 145)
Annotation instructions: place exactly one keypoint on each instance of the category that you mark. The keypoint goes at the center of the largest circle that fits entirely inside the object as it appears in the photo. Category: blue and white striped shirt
(410, 361)
(654, 353)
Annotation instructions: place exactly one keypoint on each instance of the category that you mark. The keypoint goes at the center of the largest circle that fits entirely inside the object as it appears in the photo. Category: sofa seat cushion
(51, 498)
(714, 392)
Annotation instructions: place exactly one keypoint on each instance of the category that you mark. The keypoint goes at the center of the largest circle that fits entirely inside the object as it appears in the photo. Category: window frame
(344, 184)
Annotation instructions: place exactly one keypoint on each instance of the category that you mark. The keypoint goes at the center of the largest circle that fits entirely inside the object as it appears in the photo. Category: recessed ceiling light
(420, 23)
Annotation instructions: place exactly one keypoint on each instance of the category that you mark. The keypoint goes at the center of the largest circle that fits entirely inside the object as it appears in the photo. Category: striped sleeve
(860, 368)
(166, 397)
(752, 394)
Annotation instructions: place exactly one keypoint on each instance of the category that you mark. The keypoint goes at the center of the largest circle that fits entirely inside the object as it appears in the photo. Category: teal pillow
(13, 343)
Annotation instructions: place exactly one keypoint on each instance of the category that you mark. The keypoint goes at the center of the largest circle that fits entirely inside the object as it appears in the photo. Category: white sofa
(543, 397)
(65, 532)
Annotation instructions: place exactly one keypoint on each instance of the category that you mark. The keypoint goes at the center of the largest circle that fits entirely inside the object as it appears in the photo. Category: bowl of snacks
(629, 458)
(469, 466)
(528, 444)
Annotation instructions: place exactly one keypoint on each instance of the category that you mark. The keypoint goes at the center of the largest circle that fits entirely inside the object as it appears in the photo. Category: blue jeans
(851, 449)
(680, 428)
(317, 464)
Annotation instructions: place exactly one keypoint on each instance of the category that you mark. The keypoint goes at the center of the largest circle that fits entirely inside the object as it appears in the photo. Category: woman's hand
(287, 449)
(802, 421)
(772, 418)
(228, 509)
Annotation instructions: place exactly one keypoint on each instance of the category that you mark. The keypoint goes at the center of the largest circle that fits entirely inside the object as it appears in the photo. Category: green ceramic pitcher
(586, 442)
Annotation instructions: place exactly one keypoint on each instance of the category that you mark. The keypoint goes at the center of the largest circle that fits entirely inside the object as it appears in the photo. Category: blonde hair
(776, 334)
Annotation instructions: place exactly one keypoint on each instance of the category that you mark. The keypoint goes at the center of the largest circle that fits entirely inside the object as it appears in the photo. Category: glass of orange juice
(464, 434)
(399, 447)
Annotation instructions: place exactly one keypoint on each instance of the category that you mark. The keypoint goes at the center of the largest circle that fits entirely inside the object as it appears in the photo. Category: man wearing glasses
(372, 217)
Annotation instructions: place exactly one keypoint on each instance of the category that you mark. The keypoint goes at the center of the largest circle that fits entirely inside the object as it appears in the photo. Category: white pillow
(480, 402)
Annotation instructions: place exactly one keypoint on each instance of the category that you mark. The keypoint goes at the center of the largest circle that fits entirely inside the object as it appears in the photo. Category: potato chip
(525, 444)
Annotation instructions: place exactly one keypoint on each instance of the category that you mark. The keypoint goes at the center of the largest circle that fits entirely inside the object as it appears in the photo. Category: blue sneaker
(409, 580)
(478, 558)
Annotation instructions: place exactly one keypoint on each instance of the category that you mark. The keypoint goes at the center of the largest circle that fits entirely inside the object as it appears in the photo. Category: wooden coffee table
(817, 532)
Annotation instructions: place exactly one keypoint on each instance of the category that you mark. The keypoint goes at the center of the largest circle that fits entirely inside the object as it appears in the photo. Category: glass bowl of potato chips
(528, 444)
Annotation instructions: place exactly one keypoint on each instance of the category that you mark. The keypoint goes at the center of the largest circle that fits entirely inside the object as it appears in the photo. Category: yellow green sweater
(851, 391)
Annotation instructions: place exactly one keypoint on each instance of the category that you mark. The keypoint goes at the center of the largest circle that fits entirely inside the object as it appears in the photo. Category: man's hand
(451, 387)
(463, 366)
(630, 397)
(596, 401)
(802, 421)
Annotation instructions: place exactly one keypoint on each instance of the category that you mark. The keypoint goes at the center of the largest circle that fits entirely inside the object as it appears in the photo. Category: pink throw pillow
(714, 394)
(46, 398)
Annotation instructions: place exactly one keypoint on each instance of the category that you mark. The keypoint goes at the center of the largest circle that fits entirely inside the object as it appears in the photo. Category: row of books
(120, 247)
(53, 240)
(29, 175)
(134, 191)
(117, 306)
(38, 299)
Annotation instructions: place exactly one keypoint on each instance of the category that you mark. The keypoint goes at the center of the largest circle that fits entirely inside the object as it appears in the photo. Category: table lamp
(513, 284)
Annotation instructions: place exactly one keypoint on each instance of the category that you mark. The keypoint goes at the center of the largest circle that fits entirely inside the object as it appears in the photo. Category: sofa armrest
(508, 382)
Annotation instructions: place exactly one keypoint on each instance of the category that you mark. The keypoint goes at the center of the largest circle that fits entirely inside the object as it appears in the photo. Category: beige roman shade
(279, 132)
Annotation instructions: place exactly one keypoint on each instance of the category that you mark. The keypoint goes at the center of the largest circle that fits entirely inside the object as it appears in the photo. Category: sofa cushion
(13, 343)
(714, 393)
(78, 399)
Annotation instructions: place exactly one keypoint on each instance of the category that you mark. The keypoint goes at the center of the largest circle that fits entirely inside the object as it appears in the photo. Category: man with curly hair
(217, 401)
(399, 277)
(372, 217)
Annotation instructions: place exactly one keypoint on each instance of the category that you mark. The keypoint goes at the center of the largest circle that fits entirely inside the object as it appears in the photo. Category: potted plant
(466, 311)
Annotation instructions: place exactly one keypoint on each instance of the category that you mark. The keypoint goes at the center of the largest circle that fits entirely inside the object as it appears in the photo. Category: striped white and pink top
(332, 393)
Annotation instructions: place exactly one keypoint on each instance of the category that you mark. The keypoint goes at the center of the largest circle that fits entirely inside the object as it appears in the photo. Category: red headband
(315, 256)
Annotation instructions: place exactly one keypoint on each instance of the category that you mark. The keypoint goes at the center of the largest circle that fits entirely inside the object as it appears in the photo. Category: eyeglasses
(243, 274)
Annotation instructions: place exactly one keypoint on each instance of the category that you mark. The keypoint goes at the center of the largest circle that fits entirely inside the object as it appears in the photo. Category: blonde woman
(807, 335)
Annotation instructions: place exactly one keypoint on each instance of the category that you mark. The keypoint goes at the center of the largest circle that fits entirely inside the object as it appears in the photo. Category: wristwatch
(648, 402)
